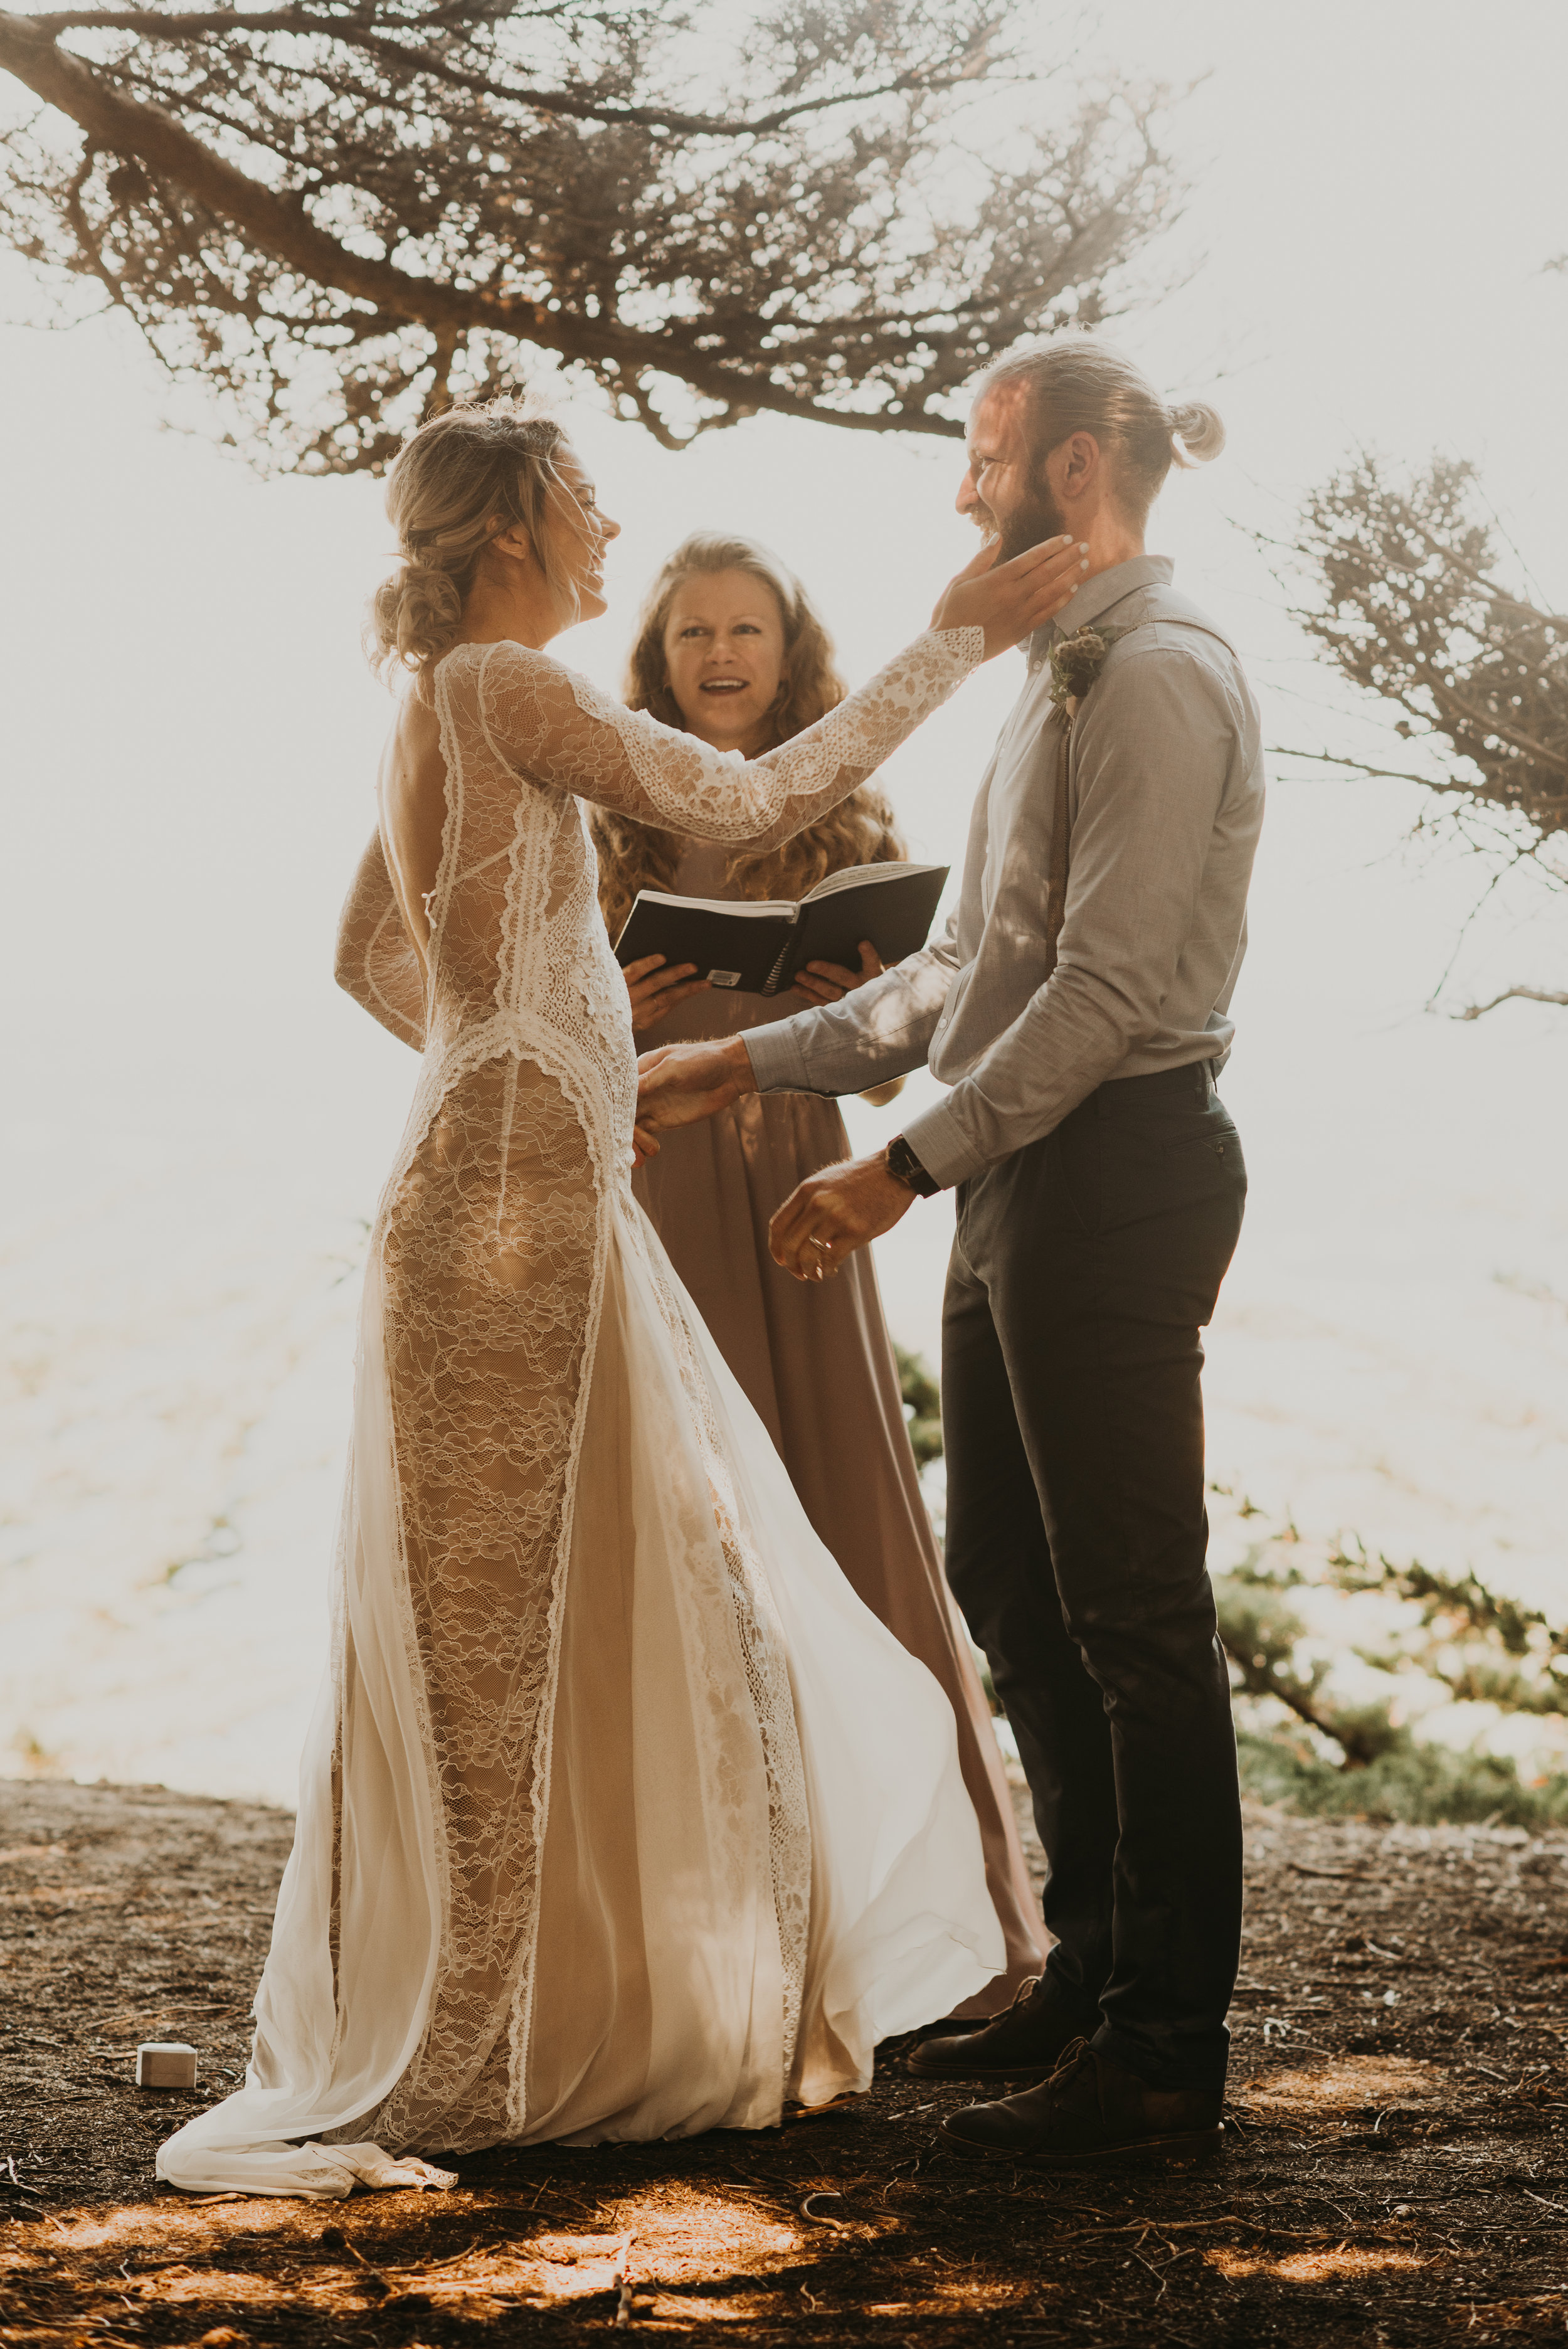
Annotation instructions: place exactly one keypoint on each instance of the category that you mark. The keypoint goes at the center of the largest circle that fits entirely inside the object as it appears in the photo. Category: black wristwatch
(905, 1168)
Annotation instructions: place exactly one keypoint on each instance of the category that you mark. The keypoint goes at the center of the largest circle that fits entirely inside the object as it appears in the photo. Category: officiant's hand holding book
(829, 982)
(759, 946)
(656, 986)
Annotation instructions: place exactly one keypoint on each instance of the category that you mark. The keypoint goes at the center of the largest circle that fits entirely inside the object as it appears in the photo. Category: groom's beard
(1029, 524)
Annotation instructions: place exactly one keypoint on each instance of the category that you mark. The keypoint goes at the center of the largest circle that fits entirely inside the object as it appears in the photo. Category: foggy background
(197, 1124)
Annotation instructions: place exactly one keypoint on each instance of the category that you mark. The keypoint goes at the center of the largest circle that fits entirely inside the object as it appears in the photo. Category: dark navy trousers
(1084, 1270)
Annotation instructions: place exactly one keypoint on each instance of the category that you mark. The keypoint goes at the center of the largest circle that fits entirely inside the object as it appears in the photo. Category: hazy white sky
(1378, 190)
(190, 736)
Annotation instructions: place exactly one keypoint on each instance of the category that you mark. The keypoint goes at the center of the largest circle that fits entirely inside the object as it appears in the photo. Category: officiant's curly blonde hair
(464, 476)
(859, 830)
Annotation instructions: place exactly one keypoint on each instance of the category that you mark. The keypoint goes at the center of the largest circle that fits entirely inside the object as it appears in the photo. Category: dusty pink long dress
(817, 1366)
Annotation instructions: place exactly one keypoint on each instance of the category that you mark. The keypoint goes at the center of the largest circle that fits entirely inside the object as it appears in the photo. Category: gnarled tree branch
(330, 212)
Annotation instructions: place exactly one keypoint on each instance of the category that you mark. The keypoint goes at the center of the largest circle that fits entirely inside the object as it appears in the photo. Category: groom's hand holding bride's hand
(680, 1084)
(825, 1218)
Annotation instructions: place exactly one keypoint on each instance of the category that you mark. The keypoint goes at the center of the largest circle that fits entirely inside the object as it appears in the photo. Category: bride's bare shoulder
(416, 728)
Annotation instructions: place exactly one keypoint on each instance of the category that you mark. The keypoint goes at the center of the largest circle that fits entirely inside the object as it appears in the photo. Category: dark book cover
(758, 946)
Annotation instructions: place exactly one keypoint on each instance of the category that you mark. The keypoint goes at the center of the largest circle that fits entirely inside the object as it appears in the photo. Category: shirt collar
(1099, 595)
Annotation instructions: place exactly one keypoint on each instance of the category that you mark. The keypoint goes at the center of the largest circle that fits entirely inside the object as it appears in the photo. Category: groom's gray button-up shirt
(1166, 795)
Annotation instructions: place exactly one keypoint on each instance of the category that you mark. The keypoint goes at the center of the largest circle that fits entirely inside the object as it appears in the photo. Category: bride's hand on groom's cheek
(1010, 600)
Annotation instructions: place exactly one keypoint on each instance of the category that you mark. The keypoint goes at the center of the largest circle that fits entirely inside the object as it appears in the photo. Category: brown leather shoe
(1023, 2042)
(1090, 2109)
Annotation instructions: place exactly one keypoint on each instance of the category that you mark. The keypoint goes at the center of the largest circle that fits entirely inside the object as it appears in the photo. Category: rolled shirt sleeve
(877, 1031)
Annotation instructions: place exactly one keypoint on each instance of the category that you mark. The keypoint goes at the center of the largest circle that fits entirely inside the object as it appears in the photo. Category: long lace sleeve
(558, 730)
(375, 962)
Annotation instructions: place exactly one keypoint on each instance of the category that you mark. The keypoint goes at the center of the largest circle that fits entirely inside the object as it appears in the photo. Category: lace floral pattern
(768, 1680)
(492, 1245)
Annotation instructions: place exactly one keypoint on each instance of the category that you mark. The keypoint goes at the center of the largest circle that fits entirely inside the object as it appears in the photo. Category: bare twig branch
(1510, 995)
(1364, 767)
(1409, 608)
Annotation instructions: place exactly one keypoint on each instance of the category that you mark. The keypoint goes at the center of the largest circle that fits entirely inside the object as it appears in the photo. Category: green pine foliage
(1304, 1743)
(1417, 1633)
(1421, 1784)
(921, 1405)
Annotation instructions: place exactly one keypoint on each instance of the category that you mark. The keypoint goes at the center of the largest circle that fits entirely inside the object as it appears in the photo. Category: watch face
(905, 1168)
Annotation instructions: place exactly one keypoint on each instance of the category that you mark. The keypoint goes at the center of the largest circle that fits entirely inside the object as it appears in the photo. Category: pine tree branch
(133, 130)
(1409, 608)
(1453, 704)
(312, 207)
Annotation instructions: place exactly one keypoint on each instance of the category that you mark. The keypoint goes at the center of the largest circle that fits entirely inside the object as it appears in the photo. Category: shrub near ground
(1421, 1640)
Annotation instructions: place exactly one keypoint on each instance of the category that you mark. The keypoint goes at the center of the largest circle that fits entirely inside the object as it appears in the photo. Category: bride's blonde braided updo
(465, 475)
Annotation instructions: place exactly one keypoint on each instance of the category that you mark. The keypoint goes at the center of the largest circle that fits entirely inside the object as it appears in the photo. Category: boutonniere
(1076, 663)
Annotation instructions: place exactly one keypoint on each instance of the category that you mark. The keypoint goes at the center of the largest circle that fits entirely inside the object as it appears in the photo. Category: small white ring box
(165, 2063)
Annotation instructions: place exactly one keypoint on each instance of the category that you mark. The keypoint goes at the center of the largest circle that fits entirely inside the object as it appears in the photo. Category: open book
(759, 944)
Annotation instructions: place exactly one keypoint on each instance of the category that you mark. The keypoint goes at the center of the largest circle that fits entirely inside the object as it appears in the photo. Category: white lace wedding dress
(621, 1817)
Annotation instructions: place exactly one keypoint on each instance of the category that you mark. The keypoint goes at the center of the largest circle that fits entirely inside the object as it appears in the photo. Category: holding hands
(680, 1084)
(825, 1218)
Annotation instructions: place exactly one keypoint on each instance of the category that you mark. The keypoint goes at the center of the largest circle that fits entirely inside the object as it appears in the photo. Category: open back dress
(621, 1817)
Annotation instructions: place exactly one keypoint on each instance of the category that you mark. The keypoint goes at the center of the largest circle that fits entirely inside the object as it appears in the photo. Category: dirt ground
(1398, 2171)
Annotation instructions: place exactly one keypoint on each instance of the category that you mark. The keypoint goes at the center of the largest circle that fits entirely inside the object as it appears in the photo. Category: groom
(1076, 1008)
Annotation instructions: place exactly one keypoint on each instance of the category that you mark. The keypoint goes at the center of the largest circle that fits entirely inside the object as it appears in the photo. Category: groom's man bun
(1075, 384)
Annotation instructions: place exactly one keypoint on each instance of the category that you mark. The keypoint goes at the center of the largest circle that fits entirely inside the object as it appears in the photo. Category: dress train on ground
(660, 2001)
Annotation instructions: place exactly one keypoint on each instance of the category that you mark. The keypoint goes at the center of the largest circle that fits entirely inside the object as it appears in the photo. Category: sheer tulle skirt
(747, 1846)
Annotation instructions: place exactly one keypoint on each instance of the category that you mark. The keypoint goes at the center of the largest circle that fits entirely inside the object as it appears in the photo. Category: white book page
(769, 906)
(853, 874)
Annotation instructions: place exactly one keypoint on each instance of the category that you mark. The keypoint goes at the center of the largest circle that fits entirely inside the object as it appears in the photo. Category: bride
(620, 1816)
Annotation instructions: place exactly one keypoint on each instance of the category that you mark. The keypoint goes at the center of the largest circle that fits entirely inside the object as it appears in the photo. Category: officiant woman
(730, 648)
